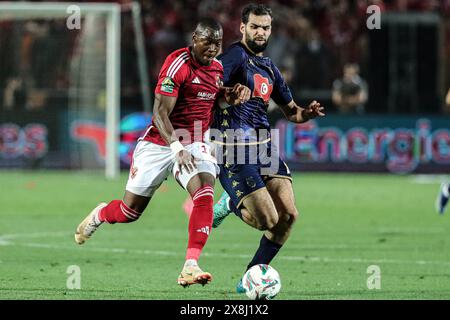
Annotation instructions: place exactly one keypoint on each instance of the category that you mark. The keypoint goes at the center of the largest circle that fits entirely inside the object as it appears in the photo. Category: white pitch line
(4, 242)
(33, 235)
(429, 178)
(110, 250)
(234, 256)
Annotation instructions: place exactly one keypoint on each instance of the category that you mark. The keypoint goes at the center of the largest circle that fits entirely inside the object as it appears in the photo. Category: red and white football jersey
(196, 88)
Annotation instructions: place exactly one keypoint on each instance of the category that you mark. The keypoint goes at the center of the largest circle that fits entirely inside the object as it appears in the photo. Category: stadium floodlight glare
(111, 12)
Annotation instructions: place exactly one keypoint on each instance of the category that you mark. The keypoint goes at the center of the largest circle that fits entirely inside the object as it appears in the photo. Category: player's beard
(256, 48)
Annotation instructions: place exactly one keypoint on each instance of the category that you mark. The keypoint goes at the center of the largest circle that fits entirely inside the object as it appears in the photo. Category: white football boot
(192, 274)
(89, 225)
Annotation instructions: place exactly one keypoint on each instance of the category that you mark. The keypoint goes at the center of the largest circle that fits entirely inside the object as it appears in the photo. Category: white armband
(176, 147)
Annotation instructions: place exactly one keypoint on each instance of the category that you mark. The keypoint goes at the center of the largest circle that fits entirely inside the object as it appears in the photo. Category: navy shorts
(242, 175)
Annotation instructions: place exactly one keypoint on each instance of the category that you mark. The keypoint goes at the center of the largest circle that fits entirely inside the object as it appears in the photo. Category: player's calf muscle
(135, 202)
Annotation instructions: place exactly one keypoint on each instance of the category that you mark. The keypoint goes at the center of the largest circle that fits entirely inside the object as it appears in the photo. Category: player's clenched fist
(237, 95)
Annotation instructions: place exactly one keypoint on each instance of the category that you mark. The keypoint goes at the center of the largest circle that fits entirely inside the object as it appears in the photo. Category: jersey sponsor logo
(196, 80)
(206, 96)
(167, 85)
(262, 87)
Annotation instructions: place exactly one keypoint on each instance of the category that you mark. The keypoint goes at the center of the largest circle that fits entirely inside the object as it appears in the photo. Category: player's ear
(242, 28)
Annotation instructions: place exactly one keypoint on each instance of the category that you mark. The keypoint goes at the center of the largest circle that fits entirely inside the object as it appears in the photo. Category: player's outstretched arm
(297, 114)
(162, 109)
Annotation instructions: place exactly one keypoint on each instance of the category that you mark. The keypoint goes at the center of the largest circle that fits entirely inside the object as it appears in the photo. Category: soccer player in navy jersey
(442, 198)
(260, 195)
(189, 83)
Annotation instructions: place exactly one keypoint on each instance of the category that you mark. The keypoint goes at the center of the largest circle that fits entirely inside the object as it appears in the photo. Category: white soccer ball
(261, 282)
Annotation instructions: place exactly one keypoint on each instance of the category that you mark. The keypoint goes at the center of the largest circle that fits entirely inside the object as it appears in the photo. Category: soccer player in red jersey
(189, 83)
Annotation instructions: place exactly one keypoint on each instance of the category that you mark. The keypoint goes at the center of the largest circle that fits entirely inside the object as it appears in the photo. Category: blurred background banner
(399, 144)
(381, 69)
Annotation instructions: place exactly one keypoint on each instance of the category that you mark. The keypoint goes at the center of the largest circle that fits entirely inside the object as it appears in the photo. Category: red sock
(200, 221)
(118, 211)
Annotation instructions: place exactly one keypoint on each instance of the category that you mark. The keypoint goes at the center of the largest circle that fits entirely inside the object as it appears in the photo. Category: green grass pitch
(348, 222)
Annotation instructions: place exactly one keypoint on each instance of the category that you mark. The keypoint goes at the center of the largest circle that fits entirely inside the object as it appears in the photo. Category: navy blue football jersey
(265, 82)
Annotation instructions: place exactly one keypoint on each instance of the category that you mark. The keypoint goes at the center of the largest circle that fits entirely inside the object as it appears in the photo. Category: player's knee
(290, 217)
(268, 222)
(272, 222)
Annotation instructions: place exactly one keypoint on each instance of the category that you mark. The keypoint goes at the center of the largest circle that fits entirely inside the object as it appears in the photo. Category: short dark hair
(257, 9)
(208, 23)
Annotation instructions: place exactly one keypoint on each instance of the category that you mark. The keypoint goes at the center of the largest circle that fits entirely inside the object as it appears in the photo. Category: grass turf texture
(347, 223)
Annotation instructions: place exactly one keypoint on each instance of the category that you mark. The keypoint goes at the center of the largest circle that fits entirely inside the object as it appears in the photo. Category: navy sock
(235, 209)
(266, 252)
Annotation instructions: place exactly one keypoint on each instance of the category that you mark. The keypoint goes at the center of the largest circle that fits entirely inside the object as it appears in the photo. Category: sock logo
(204, 230)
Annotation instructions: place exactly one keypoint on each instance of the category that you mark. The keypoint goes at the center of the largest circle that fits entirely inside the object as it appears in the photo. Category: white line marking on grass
(5, 239)
(429, 178)
(411, 230)
(4, 242)
(365, 261)
(33, 235)
(110, 250)
(233, 256)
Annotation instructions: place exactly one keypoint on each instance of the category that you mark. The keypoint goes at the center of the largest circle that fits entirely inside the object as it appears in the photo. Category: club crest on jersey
(250, 182)
(262, 87)
(167, 85)
(219, 82)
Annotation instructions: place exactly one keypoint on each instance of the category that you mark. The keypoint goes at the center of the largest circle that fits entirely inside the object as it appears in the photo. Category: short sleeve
(172, 75)
(281, 93)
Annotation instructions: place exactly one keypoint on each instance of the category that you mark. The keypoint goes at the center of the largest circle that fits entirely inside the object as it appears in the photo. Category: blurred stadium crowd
(311, 42)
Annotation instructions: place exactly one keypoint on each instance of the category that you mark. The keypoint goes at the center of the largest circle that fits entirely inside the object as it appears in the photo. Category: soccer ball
(261, 282)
